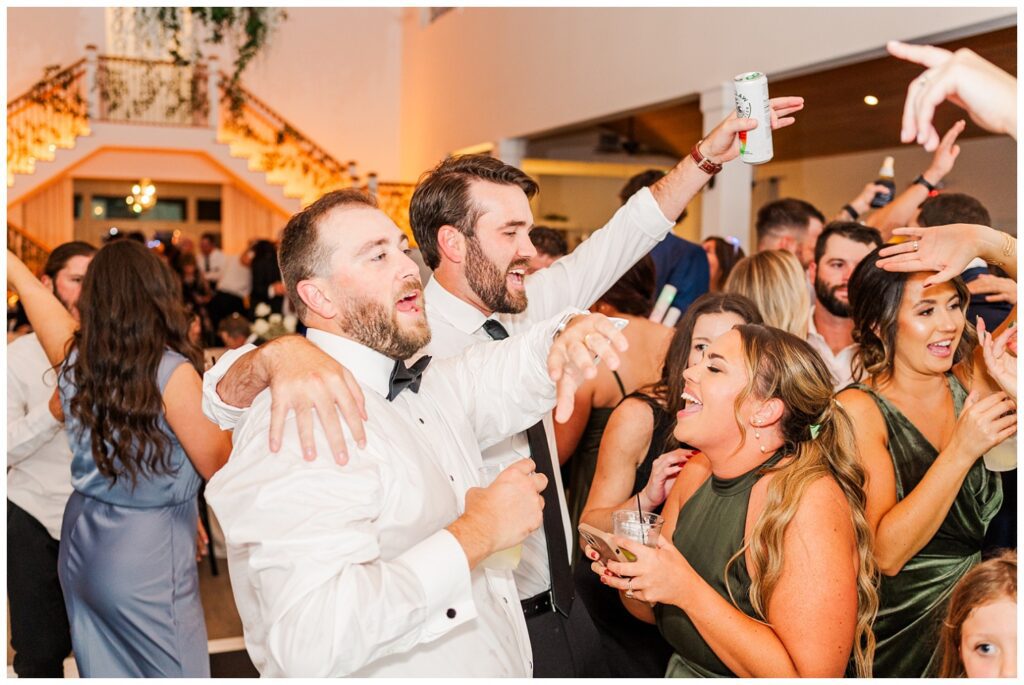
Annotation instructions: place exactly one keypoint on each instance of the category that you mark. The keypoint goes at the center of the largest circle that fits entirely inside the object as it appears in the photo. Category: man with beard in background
(838, 251)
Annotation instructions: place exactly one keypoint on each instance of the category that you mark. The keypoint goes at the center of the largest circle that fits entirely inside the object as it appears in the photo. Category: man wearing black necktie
(471, 218)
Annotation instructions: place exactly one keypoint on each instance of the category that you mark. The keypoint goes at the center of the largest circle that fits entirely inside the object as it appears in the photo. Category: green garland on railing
(247, 28)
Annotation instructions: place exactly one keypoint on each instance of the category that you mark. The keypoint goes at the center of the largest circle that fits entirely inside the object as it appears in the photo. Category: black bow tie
(403, 377)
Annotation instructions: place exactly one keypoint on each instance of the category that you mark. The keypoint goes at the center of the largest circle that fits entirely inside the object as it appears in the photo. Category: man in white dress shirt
(472, 220)
(379, 569)
(39, 484)
(840, 248)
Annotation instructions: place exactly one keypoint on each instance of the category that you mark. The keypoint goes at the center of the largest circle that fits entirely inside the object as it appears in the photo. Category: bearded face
(382, 329)
(499, 288)
(828, 298)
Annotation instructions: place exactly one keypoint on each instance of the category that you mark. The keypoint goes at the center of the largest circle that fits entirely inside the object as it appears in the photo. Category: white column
(213, 91)
(725, 208)
(92, 92)
(512, 151)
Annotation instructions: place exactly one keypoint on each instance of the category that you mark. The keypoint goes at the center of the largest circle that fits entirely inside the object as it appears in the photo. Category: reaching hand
(999, 362)
(994, 288)
(987, 92)
(664, 471)
(862, 203)
(945, 154)
(575, 353)
(946, 249)
(723, 143)
(202, 541)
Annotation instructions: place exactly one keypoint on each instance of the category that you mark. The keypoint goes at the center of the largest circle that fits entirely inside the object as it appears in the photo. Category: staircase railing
(163, 93)
(50, 115)
(154, 92)
(29, 250)
(276, 147)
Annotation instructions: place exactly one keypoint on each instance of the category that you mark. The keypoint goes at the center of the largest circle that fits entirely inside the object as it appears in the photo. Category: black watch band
(851, 211)
(923, 181)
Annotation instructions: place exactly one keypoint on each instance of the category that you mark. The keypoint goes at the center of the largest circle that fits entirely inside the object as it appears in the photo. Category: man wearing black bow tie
(381, 568)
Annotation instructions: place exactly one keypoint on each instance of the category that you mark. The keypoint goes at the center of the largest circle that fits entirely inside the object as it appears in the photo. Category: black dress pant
(566, 647)
(40, 634)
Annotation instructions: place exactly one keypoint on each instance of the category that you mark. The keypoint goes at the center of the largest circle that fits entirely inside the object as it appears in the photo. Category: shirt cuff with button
(440, 564)
(216, 409)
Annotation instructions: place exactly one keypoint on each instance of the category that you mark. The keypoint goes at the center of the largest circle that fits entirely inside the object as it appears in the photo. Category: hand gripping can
(752, 102)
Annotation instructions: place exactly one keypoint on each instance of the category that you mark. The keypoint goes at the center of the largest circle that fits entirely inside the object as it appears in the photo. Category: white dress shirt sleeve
(217, 410)
(504, 385)
(28, 428)
(328, 602)
(578, 279)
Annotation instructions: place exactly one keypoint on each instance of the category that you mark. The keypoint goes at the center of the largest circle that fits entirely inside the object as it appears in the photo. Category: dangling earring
(757, 436)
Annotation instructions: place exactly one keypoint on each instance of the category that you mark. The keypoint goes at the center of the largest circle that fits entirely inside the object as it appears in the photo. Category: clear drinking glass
(644, 527)
(506, 559)
(1002, 457)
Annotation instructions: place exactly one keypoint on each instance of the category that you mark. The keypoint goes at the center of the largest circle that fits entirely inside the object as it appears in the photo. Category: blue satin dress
(127, 563)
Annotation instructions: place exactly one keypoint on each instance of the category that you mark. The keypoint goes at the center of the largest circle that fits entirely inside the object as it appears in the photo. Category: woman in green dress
(924, 414)
(771, 572)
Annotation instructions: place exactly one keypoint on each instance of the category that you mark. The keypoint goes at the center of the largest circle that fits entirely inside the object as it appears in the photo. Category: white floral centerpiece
(268, 326)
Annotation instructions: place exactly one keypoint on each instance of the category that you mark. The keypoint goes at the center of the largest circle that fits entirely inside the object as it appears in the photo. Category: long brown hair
(781, 365)
(669, 388)
(875, 299)
(131, 311)
(987, 582)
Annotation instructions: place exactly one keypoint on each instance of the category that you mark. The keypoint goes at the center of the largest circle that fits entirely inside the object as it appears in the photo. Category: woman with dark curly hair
(132, 399)
(924, 413)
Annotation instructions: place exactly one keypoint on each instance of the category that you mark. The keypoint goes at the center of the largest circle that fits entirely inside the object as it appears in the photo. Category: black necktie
(562, 586)
(403, 377)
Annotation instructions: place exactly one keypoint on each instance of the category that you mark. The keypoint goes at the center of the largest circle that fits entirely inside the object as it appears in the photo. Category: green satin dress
(912, 604)
(708, 533)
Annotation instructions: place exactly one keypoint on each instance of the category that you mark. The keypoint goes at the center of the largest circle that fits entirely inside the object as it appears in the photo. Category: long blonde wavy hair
(776, 283)
(782, 366)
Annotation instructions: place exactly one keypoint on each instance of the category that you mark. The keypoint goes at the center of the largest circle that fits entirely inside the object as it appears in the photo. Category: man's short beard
(488, 281)
(368, 323)
(828, 300)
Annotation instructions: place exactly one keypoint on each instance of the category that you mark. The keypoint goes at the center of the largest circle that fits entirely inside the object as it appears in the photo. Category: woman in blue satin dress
(131, 395)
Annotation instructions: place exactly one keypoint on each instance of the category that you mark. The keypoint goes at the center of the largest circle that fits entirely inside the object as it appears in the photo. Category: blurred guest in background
(789, 224)
(39, 483)
(211, 258)
(676, 261)
(550, 245)
(722, 253)
(233, 288)
(774, 281)
(839, 249)
(267, 286)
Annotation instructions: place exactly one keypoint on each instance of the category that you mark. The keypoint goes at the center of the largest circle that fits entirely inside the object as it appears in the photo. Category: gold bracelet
(1009, 250)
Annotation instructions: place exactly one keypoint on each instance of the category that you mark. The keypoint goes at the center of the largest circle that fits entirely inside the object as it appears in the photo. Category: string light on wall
(143, 196)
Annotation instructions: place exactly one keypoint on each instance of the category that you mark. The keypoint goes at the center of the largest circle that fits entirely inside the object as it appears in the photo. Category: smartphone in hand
(602, 543)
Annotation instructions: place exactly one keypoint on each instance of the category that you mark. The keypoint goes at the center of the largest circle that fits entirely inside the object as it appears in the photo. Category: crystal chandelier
(143, 196)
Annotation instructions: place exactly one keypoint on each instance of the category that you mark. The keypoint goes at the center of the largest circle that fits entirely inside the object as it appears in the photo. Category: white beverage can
(752, 103)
